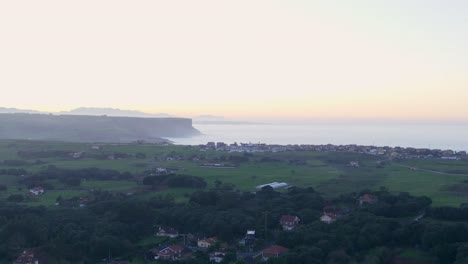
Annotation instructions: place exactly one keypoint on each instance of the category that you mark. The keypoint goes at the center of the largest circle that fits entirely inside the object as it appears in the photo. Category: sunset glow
(244, 59)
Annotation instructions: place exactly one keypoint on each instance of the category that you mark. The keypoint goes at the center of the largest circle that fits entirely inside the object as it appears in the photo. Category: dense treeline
(73, 177)
(44, 154)
(15, 172)
(449, 213)
(174, 181)
(116, 223)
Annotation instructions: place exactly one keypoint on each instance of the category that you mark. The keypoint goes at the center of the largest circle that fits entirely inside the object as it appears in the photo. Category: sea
(433, 136)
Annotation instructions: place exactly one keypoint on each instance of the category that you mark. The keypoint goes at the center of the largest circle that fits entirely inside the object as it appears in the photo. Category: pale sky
(297, 59)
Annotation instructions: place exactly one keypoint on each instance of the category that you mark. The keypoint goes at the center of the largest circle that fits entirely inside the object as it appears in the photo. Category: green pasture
(329, 172)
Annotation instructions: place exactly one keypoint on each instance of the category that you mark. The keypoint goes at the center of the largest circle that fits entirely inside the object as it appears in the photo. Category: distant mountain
(87, 128)
(110, 112)
(4, 110)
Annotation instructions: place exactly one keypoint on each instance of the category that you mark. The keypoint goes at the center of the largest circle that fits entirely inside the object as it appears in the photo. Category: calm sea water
(443, 136)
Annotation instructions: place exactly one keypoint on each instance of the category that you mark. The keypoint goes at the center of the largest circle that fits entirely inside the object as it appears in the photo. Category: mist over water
(435, 136)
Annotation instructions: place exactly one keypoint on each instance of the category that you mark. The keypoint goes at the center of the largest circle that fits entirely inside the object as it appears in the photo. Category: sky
(242, 59)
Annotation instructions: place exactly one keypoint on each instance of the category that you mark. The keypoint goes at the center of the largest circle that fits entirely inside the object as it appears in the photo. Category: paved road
(431, 171)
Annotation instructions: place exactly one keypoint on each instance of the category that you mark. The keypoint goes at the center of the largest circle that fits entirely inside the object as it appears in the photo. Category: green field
(329, 173)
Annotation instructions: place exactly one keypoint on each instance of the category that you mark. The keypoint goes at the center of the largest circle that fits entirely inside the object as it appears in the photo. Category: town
(390, 152)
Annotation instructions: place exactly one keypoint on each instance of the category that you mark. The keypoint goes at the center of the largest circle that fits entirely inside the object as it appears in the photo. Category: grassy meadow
(329, 173)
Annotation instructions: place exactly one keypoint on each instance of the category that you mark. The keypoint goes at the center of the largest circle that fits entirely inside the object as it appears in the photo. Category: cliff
(92, 128)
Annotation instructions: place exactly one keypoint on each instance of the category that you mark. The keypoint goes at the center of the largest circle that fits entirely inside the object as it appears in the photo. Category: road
(431, 171)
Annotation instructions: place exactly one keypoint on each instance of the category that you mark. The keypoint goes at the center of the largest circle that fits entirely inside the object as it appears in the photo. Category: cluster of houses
(28, 256)
(287, 223)
(391, 152)
(177, 252)
(181, 251)
(332, 213)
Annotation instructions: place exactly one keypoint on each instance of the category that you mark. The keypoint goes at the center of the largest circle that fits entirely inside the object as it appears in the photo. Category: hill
(92, 128)
(110, 112)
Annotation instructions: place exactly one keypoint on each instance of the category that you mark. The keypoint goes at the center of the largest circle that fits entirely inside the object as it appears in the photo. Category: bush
(17, 198)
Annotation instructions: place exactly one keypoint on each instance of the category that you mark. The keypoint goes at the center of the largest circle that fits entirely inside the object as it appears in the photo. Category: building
(367, 198)
(249, 238)
(27, 257)
(354, 163)
(207, 242)
(328, 218)
(217, 257)
(289, 222)
(165, 231)
(329, 215)
(36, 191)
(173, 252)
(274, 185)
(273, 252)
(221, 145)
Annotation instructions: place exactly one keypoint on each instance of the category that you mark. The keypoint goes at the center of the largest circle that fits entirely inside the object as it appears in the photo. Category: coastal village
(386, 151)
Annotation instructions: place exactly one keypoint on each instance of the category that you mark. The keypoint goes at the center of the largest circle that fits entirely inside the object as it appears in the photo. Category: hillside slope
(92, 128)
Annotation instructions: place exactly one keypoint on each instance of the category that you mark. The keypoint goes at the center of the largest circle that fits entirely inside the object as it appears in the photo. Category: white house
(36, 191)
(328, 218)
(207, 243)
(217, 257)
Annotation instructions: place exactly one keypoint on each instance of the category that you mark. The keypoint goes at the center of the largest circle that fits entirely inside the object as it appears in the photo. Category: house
(249, 238)
(354, 163)
(289, 222)
(221, 145)
(27, 257)
(173, 252)
(329, 215)
(328, 218)
(36, 191)
(273, 252)
(77, 155)
(367, 198)
(217, 257)
(165, 231)
(161, 170)
(207, 243)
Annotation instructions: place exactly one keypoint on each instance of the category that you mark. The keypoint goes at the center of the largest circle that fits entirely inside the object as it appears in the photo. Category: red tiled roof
(288, 218)
(368, 197)
(211, 240)
(275, 250)
(176, 248)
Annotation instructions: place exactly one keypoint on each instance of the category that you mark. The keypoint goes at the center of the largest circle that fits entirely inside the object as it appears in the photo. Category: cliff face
(92, 128)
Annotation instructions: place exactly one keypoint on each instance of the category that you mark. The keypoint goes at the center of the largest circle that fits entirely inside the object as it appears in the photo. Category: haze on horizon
(287, 59)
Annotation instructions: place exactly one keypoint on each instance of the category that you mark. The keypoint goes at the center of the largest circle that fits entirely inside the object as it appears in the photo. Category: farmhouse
(36, 191)
(289, 222)
(273, 252)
